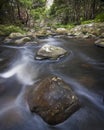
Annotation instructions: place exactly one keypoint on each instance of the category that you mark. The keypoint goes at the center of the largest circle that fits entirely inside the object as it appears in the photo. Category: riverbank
(91, 30)
(19, 36)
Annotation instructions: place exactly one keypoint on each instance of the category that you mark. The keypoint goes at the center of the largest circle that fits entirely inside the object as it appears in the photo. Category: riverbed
(82, 69)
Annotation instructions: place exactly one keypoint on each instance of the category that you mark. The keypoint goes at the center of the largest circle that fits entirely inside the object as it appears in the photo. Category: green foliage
(63, 12)
(87, 22)
(75, 11)
(37, 13)
(26, 3)
(7, 29)
(100, 17)
(57, 10)
(68, 26)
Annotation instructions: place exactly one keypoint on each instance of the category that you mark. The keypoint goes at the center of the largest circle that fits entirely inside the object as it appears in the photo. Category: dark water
(83, 70)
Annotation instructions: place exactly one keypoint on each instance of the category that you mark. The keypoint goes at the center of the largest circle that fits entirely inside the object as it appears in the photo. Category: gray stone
(93, 29)
(100, 42)
(16, 35)
(102, 35)
(50, 52)
(17, 41)
(22, 40)
(53, 100)
(8, 40)
(61, 31)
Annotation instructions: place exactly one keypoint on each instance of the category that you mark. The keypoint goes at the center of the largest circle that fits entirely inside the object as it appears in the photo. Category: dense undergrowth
(7, 29)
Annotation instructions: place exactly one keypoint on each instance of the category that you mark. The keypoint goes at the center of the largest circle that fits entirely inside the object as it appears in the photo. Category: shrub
(100, 17)
(7, 29)
(68, 26)
(87, 22)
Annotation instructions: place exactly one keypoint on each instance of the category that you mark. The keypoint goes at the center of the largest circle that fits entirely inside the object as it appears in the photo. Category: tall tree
(76, 10)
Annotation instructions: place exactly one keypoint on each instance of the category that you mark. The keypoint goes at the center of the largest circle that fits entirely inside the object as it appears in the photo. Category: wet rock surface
(53, 100)
(50, 52)
(61, 31)
(88, 30)
(100, 42)
(22, 40)
(16, 35)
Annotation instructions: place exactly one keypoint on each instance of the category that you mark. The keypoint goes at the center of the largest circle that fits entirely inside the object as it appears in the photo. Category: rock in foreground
(50, 52)
(53, 100)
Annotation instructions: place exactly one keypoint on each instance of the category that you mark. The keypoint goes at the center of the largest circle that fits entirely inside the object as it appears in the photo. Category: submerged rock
(53, 100)
(50, 52)
(100, 42)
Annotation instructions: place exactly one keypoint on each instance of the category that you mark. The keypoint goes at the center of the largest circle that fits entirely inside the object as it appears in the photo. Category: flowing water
(82, 69)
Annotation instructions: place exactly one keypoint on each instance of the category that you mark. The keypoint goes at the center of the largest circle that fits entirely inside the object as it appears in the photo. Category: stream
(82, 69)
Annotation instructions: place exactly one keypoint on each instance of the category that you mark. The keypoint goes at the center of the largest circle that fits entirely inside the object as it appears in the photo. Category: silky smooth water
(82, 69)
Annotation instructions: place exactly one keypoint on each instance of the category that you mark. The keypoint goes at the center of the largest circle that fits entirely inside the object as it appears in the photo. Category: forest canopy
(27, 12)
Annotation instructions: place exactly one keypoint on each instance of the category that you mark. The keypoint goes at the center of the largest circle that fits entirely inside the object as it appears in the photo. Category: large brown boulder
(53, 100)
(50, 52)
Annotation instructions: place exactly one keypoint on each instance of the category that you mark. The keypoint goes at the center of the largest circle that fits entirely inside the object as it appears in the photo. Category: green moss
(98, 18)
(87, 22)
(7, 29)
(68, 26)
